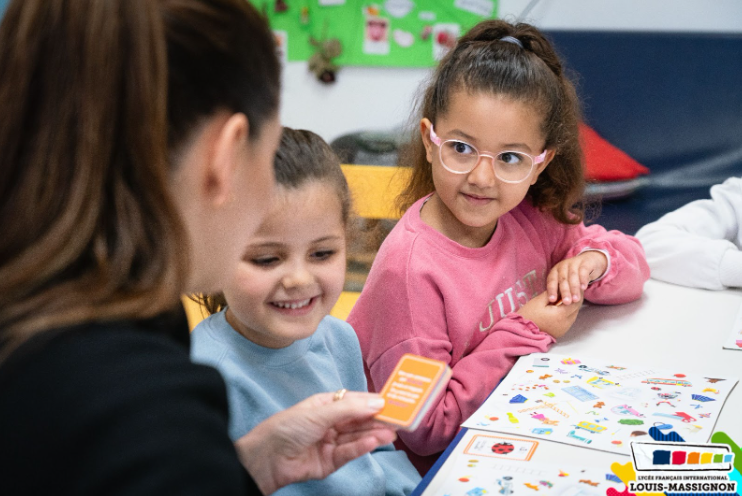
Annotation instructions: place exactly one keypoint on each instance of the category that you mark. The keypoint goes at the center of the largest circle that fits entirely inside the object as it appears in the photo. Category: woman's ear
(550, 154)
(425, 126)
(227, 152)
(203, 191)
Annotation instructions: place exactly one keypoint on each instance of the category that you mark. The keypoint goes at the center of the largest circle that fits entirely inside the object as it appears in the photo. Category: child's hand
(551, 319)
(570, 277)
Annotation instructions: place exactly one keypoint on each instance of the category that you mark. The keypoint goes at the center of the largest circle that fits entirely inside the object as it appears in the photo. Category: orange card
(411, 389)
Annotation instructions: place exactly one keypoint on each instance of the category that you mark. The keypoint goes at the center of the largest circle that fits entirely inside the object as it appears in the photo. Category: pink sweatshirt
(428, 295)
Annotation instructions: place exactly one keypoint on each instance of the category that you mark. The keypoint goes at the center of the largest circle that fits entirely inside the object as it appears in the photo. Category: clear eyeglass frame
(440, 143)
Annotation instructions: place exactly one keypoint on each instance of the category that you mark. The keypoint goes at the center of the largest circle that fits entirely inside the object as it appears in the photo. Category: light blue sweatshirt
(262, 381)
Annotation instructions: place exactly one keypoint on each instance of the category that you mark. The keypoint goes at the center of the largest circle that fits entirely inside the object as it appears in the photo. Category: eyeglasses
(459, 157)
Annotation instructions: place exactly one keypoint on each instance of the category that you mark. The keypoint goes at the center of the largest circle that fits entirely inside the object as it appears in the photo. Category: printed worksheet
(601, 404)
(473, 475)
(734, 341)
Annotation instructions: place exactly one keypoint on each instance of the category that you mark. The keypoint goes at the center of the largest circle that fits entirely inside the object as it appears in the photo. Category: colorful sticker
(607, 404)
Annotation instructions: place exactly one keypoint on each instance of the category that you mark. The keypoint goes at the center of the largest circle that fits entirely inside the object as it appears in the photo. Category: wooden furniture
(374, 190)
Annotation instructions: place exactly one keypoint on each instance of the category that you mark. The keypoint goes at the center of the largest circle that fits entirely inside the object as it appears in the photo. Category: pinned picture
(282, 45)
(404, 39)
(376, 36)
(399, 8)
(444, 39)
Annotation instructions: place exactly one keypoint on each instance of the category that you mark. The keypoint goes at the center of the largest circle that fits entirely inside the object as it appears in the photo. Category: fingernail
(376, 403)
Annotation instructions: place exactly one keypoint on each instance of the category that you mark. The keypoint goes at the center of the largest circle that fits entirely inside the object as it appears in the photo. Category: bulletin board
(390, 33)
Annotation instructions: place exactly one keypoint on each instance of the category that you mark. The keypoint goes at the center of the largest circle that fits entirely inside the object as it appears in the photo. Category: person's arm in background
(698, 245)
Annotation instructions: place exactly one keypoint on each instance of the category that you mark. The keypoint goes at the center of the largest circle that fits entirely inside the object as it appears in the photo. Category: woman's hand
(312, 439)
(571, 276)
(552, 319)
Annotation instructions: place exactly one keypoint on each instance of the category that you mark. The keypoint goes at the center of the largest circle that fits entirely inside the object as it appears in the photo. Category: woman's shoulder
(133, 386)
(98, 356)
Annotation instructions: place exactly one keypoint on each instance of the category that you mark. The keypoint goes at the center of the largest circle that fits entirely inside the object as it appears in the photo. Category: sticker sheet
(494, 446)
(600, 404)
(477, 476)
(734, 341)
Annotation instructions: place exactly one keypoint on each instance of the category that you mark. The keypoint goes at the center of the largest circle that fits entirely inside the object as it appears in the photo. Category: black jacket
(115, 409)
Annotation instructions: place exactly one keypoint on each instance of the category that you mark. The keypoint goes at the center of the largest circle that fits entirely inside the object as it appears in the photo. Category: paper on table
(475, 476)
(734, 342)
(601, 404)
(494, 446)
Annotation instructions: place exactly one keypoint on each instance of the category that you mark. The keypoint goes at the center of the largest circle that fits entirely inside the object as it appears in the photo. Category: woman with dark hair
(133, 131)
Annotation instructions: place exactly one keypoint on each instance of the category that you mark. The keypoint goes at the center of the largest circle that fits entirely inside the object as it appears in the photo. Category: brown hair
(482, 62)
(96, 96)
(302, 157)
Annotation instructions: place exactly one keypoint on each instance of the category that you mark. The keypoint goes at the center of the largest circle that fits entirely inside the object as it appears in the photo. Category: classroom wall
(365, 98)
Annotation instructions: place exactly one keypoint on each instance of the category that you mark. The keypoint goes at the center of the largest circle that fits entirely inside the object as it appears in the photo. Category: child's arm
(613, 262)
(698, 245)
(474, 376)
(569, 279)
(553, 319)
(395, 316)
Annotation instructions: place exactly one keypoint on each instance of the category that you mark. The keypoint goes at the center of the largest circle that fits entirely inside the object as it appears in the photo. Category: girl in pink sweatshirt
(491, 259)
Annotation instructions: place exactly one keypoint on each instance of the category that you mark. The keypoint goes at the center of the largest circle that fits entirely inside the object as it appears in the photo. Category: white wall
(366, 98)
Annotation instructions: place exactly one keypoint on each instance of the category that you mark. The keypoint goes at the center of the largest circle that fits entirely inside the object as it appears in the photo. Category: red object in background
(604, 162)
(281, 6)
(446, 39)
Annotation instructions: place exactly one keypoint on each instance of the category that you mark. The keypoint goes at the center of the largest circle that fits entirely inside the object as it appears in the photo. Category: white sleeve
(699, 244)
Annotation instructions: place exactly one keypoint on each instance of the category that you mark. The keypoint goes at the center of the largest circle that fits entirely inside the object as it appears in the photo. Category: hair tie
(510, 39)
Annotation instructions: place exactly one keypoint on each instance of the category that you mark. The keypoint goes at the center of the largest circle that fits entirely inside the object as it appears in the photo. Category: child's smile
(466, 207)
(294, 305)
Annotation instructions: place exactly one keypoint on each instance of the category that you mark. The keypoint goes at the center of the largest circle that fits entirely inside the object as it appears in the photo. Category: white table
(667, 327)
